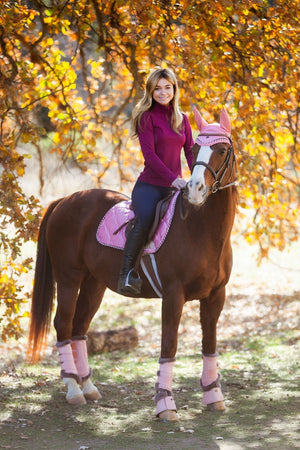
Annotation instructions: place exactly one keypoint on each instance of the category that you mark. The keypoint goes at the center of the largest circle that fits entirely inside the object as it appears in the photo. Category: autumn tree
(71, 71)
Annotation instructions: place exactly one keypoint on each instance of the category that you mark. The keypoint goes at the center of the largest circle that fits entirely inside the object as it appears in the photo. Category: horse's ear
(225, 121)
(201, 123)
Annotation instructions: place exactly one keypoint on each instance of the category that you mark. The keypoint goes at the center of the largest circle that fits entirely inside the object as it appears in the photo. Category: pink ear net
(225, 121)
(211, 134)
(201, 123)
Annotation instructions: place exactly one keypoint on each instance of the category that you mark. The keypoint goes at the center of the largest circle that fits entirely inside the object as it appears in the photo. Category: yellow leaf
(56, 138)
(20, 171)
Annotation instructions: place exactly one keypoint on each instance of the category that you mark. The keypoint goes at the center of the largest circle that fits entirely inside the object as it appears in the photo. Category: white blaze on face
(197, 190)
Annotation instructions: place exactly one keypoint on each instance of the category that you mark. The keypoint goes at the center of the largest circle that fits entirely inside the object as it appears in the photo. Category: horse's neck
(215, 218)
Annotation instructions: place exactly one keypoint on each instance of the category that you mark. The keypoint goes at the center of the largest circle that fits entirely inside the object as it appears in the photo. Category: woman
(162, 131)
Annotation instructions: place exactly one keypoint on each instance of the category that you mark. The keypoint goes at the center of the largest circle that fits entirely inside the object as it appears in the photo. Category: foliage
(71, 71)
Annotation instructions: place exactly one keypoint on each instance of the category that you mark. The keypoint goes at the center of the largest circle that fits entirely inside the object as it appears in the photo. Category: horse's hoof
(168, 416)
(217, 406)
(92, 395)
(76, 400)
(90, 391)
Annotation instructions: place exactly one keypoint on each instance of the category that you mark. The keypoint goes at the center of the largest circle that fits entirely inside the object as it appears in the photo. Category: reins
(183, 215)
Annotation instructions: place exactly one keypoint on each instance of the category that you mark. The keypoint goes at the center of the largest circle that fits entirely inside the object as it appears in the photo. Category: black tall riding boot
(129, 281)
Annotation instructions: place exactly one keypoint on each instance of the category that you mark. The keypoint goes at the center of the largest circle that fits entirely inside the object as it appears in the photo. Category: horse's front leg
(210, 310)
(172, 304)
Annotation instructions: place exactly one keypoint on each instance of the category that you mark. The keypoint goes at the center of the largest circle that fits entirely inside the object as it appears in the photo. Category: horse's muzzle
(195, 193)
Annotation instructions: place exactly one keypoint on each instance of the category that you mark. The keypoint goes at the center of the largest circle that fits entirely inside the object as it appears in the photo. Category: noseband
(219, 175)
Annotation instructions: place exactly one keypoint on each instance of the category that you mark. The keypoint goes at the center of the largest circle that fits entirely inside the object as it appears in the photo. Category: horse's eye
(222, 151)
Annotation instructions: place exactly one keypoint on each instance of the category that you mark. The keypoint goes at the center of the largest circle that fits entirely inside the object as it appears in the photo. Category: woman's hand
(179, 183)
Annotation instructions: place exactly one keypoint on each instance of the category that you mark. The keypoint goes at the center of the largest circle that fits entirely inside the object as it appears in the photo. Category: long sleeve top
(161, 146)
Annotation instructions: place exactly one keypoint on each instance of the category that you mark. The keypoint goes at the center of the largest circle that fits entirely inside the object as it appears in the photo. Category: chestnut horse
(194, 262)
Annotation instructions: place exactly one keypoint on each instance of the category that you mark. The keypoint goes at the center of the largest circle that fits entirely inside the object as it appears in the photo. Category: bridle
(220, 173)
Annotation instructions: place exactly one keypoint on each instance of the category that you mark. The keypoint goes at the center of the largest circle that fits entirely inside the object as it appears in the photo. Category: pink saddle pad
(120, 214)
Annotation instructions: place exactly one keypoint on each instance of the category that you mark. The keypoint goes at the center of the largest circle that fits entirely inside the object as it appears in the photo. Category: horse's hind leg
(210, 310)
(89, 300)
(67, 294)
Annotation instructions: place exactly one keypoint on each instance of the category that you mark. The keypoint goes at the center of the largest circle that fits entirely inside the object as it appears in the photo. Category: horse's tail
(43, 293)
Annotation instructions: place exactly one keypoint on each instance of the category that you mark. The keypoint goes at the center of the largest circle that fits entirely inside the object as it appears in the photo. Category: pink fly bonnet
(213, 133)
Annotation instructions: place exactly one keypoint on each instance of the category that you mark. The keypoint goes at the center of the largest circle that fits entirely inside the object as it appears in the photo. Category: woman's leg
(144, 200)
(129, 280)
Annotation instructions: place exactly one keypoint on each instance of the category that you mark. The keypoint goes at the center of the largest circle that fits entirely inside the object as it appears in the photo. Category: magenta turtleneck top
(161, 146)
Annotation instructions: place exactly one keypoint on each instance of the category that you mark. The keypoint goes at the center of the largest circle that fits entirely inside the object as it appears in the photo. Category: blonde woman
(162, 131)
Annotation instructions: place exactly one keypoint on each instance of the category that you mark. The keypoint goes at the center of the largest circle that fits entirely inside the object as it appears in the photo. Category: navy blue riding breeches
(144, 200)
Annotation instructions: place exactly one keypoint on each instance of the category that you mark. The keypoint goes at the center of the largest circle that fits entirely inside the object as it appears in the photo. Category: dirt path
(259, 363)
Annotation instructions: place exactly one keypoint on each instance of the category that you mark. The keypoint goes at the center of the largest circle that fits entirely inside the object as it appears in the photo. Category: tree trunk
(109, 341)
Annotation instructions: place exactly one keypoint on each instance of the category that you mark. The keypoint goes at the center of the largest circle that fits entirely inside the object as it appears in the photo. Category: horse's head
(214, 161)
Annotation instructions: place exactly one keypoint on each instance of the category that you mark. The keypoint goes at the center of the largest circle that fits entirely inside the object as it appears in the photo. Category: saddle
(117, 222)
(161, 209)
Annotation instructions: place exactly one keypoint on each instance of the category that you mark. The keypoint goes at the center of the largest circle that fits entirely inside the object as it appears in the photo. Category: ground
(258, 342)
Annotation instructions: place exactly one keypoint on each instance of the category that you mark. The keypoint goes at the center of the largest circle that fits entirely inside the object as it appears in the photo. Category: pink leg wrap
(165, 373)
(211, 377)
(210, 370)
(164, 400)
(164, 404)
(68, 366)
(80, 355)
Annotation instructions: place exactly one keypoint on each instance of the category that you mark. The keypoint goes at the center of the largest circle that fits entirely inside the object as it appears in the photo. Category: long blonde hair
(146, 102)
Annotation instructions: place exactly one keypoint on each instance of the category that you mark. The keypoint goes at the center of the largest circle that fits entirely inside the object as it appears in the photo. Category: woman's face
(163, 92)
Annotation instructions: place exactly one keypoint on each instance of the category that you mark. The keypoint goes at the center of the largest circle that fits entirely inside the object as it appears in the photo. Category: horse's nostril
(200, 187)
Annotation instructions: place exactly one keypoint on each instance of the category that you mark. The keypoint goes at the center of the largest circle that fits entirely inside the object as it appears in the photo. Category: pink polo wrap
(80, 355)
